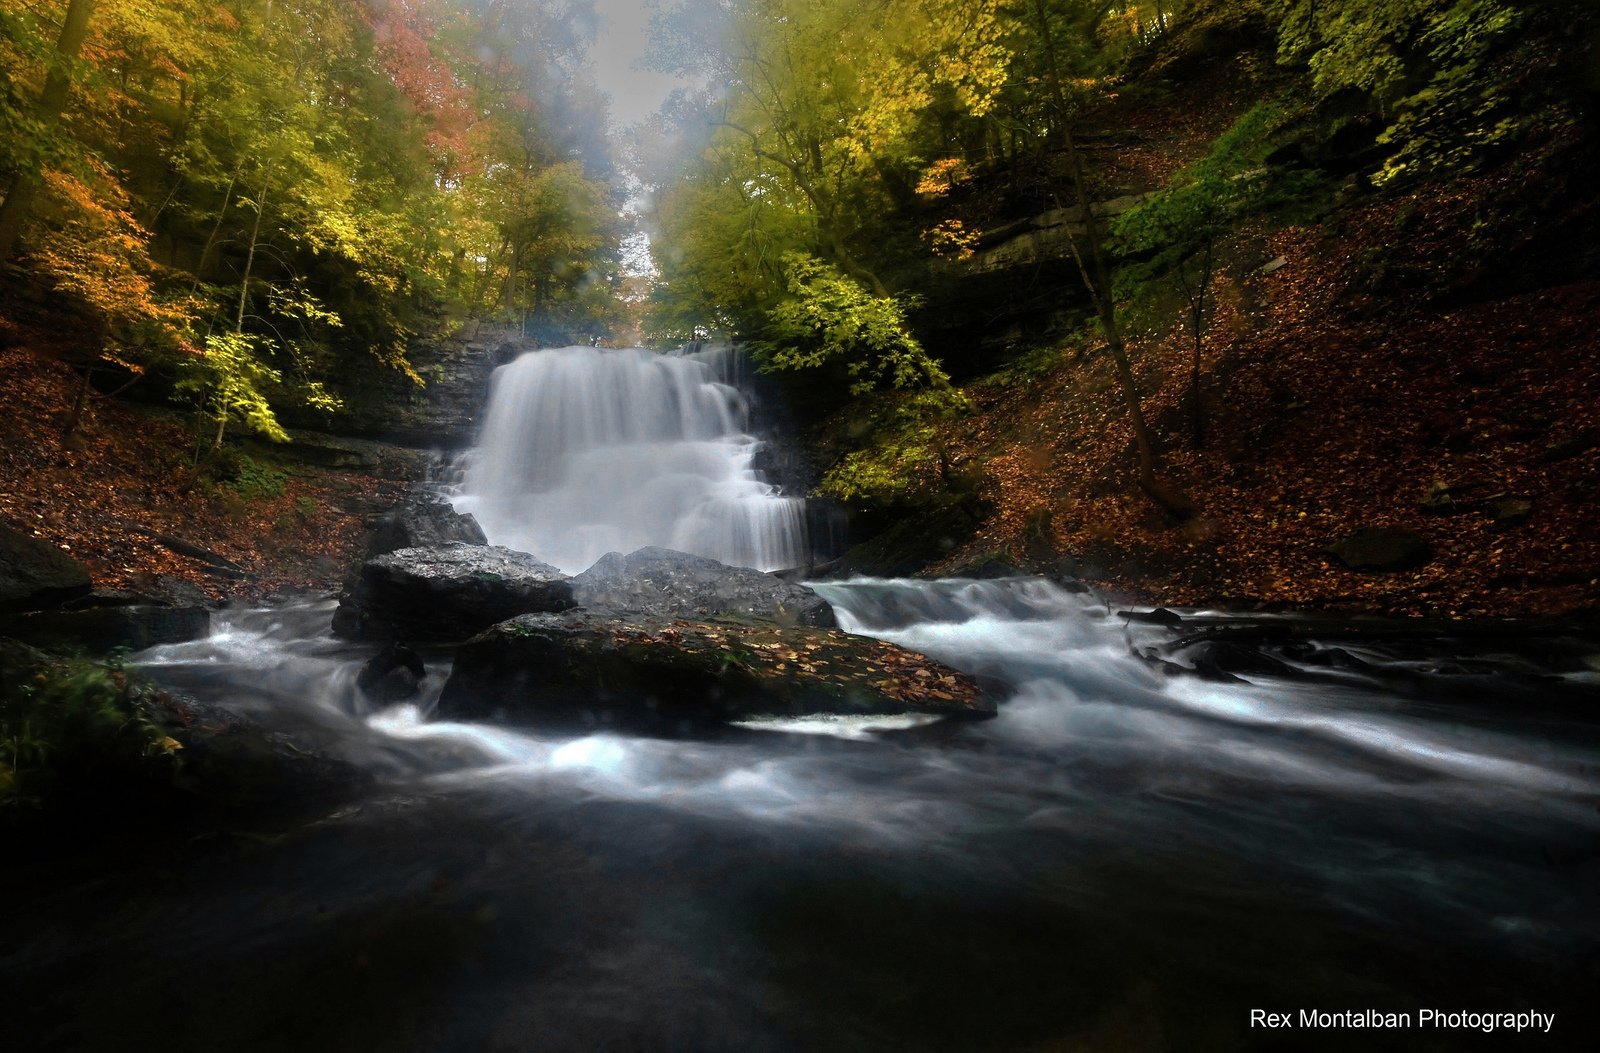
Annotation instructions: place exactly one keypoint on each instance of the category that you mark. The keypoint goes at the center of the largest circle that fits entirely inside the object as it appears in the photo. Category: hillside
(1419, 358)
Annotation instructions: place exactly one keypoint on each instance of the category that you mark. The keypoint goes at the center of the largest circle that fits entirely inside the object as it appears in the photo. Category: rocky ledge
(656, 640)
(446, 593)
(659, 582)
(585, 671)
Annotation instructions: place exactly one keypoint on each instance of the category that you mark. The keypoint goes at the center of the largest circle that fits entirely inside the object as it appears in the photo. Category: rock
(1381, 549)
(1563, 449)
(658, 582)
(394, 674)
(1509, 512)
(1222, 659)
(446, 593)
(584, 671)
(232, 762)
(422, 522)
(1159, 616)
(1272, 266)
(98, 629)
(1439, 500)
(34, 573)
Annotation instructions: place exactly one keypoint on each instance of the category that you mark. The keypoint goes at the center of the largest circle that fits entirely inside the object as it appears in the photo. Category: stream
(1165, 829)
(1122, 859)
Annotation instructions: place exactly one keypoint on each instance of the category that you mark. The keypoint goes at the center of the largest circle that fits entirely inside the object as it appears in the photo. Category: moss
(69, 727)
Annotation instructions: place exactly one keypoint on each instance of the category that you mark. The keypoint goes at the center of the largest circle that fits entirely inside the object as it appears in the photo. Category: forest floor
(126, 474)
(1351, 365)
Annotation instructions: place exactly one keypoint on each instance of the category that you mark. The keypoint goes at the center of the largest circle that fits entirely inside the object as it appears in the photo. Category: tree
(1181, 225)
(25, 180)
(829, 317)
(1095, 270)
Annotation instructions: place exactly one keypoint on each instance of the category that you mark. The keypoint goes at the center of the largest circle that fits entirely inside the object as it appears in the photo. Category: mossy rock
(582, 671)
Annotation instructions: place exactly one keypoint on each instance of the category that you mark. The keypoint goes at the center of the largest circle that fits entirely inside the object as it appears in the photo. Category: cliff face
(441, 414)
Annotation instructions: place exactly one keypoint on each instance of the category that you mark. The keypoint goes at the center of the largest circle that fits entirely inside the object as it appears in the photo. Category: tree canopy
(273, 195)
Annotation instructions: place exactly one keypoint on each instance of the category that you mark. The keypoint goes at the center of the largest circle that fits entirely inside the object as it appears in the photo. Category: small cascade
(591, 450)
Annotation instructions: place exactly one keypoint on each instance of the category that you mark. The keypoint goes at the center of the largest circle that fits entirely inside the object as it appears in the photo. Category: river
(1124, 859)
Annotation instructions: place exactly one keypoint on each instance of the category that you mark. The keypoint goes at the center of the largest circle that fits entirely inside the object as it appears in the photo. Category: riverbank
(126, 496)
(1397, 394)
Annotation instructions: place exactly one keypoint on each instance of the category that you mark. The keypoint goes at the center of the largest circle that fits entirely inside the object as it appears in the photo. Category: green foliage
(320, 178)
(76, 722)
(830, 317)
(230, 381)
(1030, 365)
(1452, 79)
(1204, 200)
(258, 481)
(904, 456)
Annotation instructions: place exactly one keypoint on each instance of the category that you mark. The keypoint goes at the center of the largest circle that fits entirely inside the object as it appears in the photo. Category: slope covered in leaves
(124, 477)
(1353, 365)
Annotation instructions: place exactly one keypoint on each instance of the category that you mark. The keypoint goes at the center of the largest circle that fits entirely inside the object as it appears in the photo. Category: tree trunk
(216, 228)
(14, 210)
(244, 296)
(250, 259)
(1097, 277)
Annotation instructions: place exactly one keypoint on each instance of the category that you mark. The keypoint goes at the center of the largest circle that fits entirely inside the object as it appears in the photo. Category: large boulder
(446, 593)
(422, 523)
(104, 621)
(658, 582)
(1381, 549)
(34, 573)
(585, 671)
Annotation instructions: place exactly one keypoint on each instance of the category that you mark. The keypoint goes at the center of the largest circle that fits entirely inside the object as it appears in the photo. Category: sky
(617, 58)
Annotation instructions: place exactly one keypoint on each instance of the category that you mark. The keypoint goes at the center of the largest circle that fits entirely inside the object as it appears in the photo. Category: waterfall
(590, 450)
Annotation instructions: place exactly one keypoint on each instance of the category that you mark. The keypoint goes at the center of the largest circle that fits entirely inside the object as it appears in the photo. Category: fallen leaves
(125, 466)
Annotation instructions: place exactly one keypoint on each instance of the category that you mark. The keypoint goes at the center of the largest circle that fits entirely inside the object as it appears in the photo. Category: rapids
(1122, 859)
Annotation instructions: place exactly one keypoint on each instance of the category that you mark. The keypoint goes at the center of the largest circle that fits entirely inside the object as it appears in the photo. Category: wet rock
(1159, 616)
(394, 674)
(446, 593)
(1509, 512)
(420, 523)
(232, 762)
(1381, 549)
(35, 573)
(583, 671)
(658, 582)
(97, 629)
(1225, 659)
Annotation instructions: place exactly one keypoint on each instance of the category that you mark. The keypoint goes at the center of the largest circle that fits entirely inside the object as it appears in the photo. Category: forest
(970, 525)
(258, 213)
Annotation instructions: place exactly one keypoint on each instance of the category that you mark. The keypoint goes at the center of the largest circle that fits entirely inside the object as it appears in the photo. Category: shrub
(73, 723)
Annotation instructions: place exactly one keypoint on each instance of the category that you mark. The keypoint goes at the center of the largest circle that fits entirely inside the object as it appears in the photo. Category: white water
(593, 450)
(1327, 836)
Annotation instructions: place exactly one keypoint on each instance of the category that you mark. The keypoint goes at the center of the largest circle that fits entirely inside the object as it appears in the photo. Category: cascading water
(593, 450)
(1382, 823)
(1129, 856)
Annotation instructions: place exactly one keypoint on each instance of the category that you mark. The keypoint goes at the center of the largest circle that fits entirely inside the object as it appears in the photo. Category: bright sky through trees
(617, 56)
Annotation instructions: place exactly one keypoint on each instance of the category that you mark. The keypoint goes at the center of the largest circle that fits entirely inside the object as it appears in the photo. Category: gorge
(1174, 817)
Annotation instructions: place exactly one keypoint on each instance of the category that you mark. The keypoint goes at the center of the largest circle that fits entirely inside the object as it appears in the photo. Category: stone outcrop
(422, 522)
(659, 582)
(1381, 549)
(34, 573)
(446, 593)
(104, 621)
(585, 671)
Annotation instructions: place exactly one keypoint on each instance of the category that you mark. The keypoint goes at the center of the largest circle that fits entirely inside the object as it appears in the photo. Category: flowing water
(1128, 857)
(1123, 859)
(591, 450)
